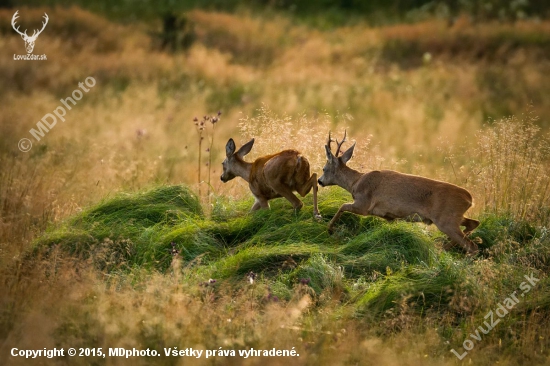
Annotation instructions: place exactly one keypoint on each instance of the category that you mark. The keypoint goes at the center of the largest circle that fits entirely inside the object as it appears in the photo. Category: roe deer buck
(271, 176)
(393, 195)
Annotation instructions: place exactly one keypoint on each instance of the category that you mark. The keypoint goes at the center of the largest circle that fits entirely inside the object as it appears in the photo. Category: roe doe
(271, 176)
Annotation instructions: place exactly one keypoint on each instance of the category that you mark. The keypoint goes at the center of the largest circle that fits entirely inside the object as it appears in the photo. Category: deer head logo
(29, 40)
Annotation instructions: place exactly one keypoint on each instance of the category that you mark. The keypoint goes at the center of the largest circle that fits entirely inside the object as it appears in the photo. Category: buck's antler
(24, 34)
(13, 19)
(340, 144)
(43, 26)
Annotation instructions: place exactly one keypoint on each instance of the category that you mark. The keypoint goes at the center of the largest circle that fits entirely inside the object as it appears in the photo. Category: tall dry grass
(135, 129)
(172, 311)
(511, 170)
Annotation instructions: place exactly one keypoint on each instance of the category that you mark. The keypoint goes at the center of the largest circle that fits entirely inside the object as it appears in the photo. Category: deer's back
(288, 167)
(408, 194)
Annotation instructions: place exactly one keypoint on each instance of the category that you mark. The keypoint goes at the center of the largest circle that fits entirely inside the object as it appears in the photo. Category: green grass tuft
(377, 265)
(421, 287)
(387, 245)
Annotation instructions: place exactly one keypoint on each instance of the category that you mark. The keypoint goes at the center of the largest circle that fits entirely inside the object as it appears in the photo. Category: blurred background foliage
(452, 90)
(333, 12)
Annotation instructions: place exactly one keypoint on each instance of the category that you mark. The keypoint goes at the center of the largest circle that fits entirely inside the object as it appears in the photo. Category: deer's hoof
(448, 246)
(318, 217)
(472, 253)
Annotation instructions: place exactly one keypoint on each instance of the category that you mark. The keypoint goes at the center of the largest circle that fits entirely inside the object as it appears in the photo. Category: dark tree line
(397, 10)
(478, 9)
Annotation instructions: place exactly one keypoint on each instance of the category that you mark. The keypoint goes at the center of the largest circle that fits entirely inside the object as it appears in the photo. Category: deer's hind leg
(452, 229)
(470, 225)
(281, 184)
(286, 192)
(305, 188)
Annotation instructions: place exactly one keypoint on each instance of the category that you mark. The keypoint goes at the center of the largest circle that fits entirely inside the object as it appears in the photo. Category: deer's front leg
(260, 203)
(346, 207)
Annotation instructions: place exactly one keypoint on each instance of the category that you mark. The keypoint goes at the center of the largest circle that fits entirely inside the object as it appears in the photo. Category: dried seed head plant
(201, 127)
(511, 170)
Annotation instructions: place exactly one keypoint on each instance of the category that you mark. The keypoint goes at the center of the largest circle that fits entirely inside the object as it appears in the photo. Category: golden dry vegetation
(453, 103)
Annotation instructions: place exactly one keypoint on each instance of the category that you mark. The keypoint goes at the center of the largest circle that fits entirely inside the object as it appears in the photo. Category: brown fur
(393, 195)
(272, 176)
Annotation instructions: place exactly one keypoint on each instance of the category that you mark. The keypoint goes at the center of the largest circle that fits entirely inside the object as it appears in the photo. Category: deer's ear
(330, 156)
(348, 154)
(230, 148)
(245, 149)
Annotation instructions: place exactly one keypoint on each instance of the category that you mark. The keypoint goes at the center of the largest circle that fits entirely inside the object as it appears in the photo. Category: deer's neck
(243, 170)
(348, 178)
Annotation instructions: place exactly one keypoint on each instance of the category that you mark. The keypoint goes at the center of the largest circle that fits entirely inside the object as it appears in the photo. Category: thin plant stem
(199, 161)
(210, 158)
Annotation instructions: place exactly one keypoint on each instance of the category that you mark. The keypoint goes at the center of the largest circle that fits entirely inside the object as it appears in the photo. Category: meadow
(116, 231)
